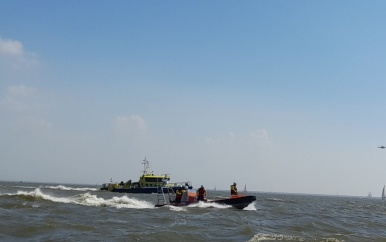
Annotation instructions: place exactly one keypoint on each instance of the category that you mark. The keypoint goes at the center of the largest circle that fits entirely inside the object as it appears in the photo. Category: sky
(280, 96)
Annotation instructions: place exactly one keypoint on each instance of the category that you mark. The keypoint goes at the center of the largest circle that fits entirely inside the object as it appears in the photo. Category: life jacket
(178, 193)
(233, 190)
(201, 191)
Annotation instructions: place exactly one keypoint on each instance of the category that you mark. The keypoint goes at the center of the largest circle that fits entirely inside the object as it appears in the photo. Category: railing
(161, 195)
(180, 184)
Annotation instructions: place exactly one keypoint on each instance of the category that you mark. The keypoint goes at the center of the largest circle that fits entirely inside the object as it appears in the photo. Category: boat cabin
(151, 180)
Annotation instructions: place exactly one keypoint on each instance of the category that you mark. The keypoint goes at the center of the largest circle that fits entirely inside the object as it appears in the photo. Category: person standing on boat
(234, 189)
(201, 194)
(185, 194)
(178, 195)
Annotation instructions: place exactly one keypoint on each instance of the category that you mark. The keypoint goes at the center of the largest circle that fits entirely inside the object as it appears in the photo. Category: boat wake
(197, 205)
(177, 209)
(251, 207)
(85, 199)
(209, 205)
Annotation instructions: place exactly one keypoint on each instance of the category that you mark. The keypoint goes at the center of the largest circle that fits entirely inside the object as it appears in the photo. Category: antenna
(145, 166)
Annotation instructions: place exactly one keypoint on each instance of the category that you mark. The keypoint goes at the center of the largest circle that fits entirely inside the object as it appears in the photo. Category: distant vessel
(148, 183)
(383, 193)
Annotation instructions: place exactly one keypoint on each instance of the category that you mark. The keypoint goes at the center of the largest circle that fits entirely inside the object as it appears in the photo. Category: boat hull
(239, 202)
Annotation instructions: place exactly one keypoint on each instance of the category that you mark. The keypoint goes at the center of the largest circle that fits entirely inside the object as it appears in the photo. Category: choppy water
(57, 212)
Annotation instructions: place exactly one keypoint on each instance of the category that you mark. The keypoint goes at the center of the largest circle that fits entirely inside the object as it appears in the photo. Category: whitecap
(126, 202)
(65, 188)
(273, 237)
(281, 237)
(87, 199)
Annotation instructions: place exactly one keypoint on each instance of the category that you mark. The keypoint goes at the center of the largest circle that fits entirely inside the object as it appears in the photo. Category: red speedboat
(236, 201)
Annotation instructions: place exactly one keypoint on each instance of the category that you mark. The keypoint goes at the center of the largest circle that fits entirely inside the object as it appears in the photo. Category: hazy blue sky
(284, 96)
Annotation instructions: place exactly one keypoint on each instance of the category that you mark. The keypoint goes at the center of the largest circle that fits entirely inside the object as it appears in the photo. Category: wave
(177, 209)
(273, 199)
(273, 237)
(280, 237)
(85, 199)
(64, 188)
(208, 205)
(59, 187)
(205, 205)
(25, 187)
(251, 207)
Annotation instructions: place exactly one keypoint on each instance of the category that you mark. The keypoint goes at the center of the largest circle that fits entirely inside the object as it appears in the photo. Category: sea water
(61, 212)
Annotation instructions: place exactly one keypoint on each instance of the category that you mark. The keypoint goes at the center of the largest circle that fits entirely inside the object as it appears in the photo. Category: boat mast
(145, 166)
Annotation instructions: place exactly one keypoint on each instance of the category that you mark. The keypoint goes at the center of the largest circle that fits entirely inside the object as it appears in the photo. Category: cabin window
(153, 179)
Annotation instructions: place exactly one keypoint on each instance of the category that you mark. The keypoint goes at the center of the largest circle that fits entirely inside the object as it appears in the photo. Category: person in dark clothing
(178, 195)
(201, 194)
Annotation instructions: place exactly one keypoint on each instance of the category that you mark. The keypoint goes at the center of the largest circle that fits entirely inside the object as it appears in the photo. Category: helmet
(234, 184)
(186, 187)
(202, 186)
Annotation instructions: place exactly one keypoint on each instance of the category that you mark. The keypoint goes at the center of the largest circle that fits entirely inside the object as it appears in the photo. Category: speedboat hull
(239, 202)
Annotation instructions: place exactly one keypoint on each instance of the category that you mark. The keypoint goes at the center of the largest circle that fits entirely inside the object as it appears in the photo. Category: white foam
(37, 193)
(87, 199)
(27, 187)
(126, 202)
(251, 207)
(209, 205)
(64, 188)
(280, 237)
(177, 208)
